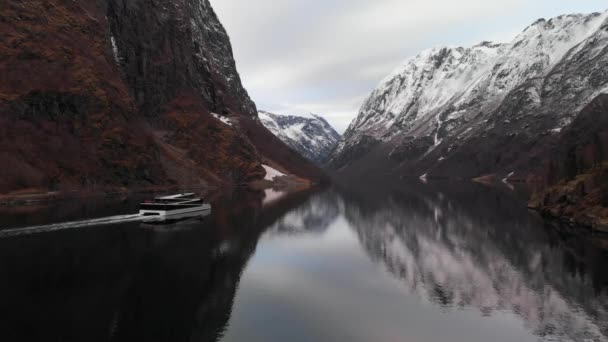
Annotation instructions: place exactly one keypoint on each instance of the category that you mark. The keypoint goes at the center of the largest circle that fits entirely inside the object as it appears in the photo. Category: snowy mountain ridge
(444, 96)
(312, 136)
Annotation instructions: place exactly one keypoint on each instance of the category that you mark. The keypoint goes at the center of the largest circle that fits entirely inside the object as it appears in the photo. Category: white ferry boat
(172, 206)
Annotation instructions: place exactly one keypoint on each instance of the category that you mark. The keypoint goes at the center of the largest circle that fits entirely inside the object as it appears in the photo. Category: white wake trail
(71, 225)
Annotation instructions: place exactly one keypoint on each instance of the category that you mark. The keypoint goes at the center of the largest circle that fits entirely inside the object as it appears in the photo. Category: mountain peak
(312, 136)
(445, 96)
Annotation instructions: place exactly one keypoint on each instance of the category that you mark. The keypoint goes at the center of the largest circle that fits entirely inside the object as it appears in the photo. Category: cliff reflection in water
(456, 247)
(470, 246)
(131, 282)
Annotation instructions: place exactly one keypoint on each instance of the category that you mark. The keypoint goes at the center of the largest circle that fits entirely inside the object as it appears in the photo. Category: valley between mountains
(109, 95)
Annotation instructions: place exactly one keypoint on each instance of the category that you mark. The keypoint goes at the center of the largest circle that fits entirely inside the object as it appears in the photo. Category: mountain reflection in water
(448, 262)
(474, 247)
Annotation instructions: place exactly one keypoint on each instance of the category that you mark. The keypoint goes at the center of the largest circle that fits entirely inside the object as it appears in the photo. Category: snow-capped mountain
(490, 108)
(313, 137)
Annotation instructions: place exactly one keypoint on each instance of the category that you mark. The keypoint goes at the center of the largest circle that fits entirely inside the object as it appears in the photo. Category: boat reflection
(178, 221)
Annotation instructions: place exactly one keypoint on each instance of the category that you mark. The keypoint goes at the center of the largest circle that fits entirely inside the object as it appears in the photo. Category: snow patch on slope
(295, 132)
(272, 173)
(223, 119)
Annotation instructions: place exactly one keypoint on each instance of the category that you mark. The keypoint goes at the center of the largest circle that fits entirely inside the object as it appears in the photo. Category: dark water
(414, 263)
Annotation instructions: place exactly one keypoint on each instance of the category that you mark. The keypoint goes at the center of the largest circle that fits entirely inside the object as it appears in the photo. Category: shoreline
(581, 200)
(28, 198)
(37, 196)
(591, 225)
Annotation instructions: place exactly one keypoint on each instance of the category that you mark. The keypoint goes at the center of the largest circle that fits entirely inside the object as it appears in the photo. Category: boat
(173, 206)
(175, 222)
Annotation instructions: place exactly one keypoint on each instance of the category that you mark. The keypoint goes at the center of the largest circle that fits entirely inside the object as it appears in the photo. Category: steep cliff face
(167, 48)
(125, 93)
(576, 176)
(67, 116)
(312, 136)
(489, 109)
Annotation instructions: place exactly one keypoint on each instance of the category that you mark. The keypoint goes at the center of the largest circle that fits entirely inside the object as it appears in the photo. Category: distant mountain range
(313, 137)
(491, 110)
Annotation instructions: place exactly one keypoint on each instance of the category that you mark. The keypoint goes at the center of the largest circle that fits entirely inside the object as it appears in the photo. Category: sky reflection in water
(414, 263)
(471, 265)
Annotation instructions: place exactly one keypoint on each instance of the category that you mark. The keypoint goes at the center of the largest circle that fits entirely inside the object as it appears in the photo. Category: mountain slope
(312, 137)
(114, 93)
(488, 109)
(577, 172)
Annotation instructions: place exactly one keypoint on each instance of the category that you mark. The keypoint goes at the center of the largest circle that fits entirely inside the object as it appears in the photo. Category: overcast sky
(326, 56)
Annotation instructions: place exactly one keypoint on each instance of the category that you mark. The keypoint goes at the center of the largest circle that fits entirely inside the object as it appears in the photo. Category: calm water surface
(412, 263)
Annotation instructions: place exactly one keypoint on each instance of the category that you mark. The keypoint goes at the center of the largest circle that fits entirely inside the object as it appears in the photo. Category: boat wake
(72, 225)
(163, 210)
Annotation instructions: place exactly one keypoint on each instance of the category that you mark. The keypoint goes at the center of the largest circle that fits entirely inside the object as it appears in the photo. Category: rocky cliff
(126, 93)
(576, 187)
(492, 109)
(312, 137)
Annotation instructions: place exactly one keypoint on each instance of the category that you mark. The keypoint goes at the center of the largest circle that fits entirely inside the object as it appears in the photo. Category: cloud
(324, 53)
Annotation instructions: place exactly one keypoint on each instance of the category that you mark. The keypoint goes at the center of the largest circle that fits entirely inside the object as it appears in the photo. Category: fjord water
(444, 262)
